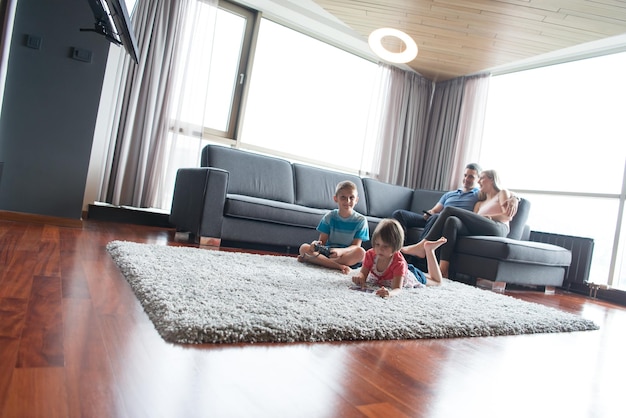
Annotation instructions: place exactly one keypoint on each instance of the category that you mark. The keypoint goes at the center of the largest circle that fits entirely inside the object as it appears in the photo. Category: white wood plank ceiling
(462, 37)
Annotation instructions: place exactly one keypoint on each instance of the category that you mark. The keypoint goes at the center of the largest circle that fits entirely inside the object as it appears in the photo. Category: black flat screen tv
(113, 21)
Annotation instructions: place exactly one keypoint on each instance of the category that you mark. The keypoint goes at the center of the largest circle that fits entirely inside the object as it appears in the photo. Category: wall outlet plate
(81, 54)
(33, 41)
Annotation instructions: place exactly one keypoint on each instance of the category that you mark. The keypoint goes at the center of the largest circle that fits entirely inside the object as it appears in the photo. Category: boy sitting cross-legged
(342, 230)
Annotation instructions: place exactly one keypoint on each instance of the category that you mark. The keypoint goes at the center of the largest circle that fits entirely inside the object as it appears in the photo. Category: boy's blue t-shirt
(342, 231)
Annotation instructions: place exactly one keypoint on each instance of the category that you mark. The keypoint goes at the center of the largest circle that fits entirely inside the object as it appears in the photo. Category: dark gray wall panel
(49, 109)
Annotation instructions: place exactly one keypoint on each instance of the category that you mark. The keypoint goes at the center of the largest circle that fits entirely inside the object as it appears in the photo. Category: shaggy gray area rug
(203, 296)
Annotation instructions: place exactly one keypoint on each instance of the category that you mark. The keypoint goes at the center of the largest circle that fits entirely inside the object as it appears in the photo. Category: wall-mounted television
(113, 21)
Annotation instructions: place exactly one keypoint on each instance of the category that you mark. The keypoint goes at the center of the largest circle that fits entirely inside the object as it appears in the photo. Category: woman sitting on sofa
(488, 218)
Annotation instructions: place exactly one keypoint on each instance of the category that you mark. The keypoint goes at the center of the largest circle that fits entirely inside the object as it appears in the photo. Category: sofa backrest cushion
(315, 187)
(517, 224)
(424, 199)
(384, 198)
(252, 174)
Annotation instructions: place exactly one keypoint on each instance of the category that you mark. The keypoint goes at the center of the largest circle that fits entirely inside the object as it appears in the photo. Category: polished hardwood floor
(74, 342)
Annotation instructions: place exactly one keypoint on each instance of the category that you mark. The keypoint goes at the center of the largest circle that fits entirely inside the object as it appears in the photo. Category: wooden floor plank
(8, 241)
(42, 338)
(71, 261)
(92, 389)
(48, 259)
(12, 316)
(37, 392)
(16, 278)
(8, 357)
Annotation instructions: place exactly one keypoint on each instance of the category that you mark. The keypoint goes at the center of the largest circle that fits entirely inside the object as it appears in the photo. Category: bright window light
(308, 100)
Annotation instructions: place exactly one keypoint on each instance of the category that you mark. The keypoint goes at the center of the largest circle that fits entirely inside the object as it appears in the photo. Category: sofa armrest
(198, 201)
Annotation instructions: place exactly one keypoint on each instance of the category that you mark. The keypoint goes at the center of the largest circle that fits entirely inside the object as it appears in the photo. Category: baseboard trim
(126, 214)
(40, 219)
(267, 248)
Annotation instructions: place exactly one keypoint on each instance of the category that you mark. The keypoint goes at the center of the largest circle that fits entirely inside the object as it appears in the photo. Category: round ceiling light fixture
(375, 43)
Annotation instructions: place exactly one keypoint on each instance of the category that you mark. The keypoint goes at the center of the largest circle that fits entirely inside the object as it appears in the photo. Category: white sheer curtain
(138, 160)
(7, 15)
(471, 123)
(185, 115)
(404, 105)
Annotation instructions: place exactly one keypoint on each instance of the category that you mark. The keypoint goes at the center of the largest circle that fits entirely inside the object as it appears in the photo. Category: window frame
(245, 60)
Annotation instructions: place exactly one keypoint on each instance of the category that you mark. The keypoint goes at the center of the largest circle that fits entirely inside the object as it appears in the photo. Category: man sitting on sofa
(464, 198)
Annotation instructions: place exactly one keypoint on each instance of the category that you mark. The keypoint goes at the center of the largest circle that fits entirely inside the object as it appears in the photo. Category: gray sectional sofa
(247, 199)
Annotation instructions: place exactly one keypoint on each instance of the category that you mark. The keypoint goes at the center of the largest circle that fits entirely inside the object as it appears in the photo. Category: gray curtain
(402, 136)
(454, 130)
(438, 161)
(140, 122)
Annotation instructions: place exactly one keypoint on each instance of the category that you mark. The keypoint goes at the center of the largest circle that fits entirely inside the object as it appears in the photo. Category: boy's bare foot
(346, 269)
(433, 245)
(303, 258)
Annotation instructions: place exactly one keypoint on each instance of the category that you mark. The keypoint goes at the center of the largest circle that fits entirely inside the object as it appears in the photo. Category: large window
(557, 136)
(308, 100)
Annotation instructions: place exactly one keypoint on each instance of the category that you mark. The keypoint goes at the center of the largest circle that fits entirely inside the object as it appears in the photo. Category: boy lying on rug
(385, 266)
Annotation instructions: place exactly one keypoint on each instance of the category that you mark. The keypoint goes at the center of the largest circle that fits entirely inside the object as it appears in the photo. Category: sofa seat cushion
(272, 211)
(506, 249)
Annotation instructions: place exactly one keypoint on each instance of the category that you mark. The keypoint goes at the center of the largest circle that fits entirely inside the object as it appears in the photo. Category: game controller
(322, 249)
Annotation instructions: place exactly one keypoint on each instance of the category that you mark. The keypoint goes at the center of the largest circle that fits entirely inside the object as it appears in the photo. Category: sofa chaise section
(506, 260)
(513, 259)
